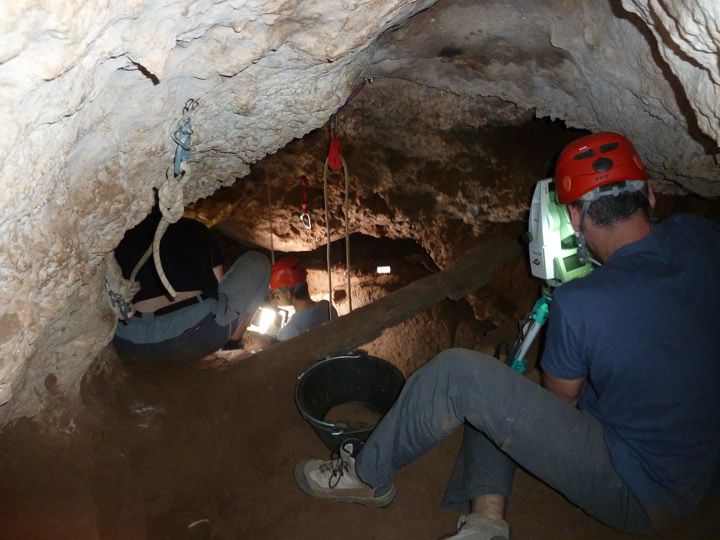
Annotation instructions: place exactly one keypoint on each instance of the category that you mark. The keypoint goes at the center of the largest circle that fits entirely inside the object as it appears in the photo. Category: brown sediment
(354, 415)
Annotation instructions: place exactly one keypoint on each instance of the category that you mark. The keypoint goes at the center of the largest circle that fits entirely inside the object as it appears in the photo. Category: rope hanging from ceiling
(336, 162)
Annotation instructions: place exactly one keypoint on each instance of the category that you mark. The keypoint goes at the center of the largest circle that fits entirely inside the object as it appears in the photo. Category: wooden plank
(466, 274)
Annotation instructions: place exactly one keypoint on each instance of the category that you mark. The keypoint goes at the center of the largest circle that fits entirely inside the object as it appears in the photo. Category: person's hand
(255, 342)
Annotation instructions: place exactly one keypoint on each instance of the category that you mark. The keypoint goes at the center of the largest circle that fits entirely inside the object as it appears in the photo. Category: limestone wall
(90, 93)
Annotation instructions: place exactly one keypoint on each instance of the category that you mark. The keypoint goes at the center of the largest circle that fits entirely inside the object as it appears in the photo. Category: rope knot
(171, 194)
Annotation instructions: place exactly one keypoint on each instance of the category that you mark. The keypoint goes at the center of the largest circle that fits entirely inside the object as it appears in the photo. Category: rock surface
(437, 130)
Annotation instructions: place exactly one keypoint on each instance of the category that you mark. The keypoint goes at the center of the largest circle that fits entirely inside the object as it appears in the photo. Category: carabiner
(304, 216)
(190, 105)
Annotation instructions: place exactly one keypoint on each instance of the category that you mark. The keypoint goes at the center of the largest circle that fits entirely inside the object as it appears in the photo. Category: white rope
(347, 232)
(140, 263)
(120, 291)
(172, 207)
(327, 230)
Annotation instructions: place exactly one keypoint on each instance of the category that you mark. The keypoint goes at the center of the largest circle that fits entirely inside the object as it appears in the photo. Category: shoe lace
(336, 467)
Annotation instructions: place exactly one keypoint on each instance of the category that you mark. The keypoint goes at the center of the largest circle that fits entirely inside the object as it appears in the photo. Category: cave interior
(447, 117)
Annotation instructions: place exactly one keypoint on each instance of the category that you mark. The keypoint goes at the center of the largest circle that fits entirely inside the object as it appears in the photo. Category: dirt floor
(176, 453)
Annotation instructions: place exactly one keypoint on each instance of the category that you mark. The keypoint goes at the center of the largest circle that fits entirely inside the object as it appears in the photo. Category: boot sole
(377, 502)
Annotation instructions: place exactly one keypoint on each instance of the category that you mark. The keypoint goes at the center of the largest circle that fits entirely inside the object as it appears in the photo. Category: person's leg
(491, 471)
(199, 340)
(556, 442)
(242, 289)
(434, 402)
(483, 477)
(481, 469)
(186, 334)
(237, 329)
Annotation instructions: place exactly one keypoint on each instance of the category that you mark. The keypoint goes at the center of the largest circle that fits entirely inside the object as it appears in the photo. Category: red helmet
(287, 272)
(593, 161)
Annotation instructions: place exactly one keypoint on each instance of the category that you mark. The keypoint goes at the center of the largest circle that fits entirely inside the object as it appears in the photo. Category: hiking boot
(337, 480)
(479, 527)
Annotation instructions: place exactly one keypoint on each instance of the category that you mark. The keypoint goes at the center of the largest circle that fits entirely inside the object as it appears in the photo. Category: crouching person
(289, 287)
(211, 308)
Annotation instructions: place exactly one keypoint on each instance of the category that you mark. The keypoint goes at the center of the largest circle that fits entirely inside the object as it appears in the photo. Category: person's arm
(218, 271)
(567, 390)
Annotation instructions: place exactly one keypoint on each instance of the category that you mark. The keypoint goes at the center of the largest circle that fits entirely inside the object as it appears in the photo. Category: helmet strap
(582, 251)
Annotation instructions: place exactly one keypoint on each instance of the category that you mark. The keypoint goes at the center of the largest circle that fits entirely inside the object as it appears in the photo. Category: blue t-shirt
(306, 319)
(644, 329)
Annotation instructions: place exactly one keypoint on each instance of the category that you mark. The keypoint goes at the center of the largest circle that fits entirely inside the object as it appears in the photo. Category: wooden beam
(466, 274)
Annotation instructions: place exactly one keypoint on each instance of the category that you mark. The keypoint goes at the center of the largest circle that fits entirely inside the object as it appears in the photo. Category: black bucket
(356, 378)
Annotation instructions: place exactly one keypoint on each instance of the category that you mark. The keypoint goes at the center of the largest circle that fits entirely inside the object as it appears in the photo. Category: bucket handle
(355, 353)
(343, 429)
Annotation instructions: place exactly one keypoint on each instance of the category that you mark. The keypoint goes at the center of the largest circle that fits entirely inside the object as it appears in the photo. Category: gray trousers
(194, 331)
(508, 421)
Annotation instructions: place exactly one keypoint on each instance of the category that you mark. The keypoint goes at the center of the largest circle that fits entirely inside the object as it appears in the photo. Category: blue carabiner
(183, 138)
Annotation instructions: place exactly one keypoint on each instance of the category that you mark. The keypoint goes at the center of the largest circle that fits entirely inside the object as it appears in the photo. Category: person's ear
(574, 216)
(651, 196)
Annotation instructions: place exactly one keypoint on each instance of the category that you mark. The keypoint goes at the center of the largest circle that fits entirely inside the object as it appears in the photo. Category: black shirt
(188, 254)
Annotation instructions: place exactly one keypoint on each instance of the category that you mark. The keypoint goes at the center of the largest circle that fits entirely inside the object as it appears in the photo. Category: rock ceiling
(449, 111)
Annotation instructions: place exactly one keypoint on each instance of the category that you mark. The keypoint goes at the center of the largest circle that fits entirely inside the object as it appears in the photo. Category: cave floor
(175, 453)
